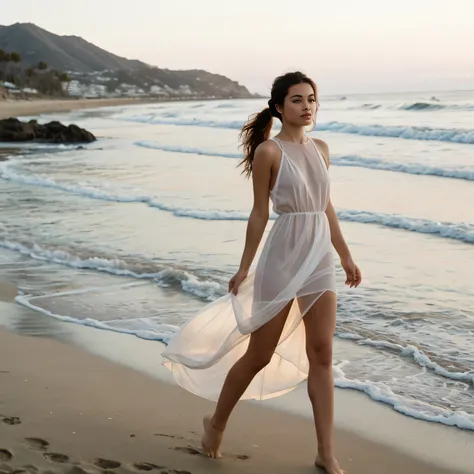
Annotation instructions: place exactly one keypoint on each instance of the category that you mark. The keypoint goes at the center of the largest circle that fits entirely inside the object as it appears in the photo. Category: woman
(275, 327)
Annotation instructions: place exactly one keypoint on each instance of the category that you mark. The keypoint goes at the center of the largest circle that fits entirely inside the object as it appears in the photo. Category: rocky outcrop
(13, 130)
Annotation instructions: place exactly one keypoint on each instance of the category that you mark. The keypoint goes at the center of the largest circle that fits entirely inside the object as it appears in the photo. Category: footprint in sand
(11, 420)
(30, 468)
(77, 470)
(165, 435)
(146, 466)
(56, 457)
(36, 444)
(189, 450)
(5, 455)
(199, 452)
(174, 471)
(106, 463)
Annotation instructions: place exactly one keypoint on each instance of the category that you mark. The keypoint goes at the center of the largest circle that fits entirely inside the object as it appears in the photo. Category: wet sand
(17, 108)
(66, 410)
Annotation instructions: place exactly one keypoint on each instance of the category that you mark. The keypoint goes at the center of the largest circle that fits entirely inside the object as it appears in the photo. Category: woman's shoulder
(323, 148)
(267, 151)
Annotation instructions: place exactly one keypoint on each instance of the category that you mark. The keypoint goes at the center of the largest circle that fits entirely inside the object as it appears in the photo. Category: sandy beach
(17, 108)
(66, 410)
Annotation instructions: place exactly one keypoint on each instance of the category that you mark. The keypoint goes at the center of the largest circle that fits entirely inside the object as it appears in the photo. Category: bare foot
(330, 465)
(211, 439)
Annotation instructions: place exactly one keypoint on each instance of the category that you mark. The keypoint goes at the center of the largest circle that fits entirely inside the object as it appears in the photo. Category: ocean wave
(450, 230)
(186, 150)
(409, 168)
(155, 119)
(337, 160)
(163, 275)
(150, 335)
(463, 232)
(406, 132)
(414, 353)
(380, 392)
(421, 106)
(8, 173)
(418, 106)
(35, 146)
(377, 391)
(458, 231)
(202, 214)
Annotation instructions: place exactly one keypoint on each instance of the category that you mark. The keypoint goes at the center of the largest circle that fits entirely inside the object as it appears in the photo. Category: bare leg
(320, 323)
(259, 353)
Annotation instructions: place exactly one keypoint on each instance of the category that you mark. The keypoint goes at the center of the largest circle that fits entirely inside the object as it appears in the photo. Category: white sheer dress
(296, 263)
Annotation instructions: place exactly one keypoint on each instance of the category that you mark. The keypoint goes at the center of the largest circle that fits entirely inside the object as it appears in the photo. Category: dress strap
(278, 142)
(323, 161)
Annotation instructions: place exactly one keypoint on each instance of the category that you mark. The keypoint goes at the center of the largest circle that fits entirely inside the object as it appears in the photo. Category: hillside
(94, 72)
(65, 53)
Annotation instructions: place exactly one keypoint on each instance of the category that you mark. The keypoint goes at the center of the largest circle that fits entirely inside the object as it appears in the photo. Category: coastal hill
(94, 72)
(65, 53)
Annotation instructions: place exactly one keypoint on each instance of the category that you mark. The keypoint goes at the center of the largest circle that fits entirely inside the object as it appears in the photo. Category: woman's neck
(293, 134)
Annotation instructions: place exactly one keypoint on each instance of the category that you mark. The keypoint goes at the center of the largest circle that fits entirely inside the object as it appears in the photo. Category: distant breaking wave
(342, 160)
(457, 231)
(189, 150)
(405, 132)
(418, 106)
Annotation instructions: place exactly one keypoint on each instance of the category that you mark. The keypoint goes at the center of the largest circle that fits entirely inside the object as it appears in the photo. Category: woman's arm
(337, 239)
(265, 157)
(353, 273)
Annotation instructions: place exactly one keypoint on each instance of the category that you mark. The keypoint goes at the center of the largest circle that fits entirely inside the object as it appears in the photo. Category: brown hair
(257, 129)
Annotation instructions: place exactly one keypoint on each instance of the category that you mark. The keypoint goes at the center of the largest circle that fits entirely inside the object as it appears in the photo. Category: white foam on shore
(83, 189)
(377, 391)
(142, 334)
(450, 230)
(163, 275)
(380, 392)
(414, 353)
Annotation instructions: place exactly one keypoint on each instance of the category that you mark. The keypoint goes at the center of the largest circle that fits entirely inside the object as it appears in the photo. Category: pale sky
(345, 45)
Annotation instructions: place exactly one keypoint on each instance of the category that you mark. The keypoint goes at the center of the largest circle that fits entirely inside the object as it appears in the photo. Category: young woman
(275, 327)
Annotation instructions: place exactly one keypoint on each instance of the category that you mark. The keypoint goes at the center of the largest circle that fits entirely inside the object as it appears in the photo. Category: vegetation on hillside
(39, 77)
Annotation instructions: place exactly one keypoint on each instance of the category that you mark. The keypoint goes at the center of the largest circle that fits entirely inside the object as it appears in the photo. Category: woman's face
(300, 106)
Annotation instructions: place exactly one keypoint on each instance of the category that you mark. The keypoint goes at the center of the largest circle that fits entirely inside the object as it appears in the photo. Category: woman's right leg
(261, 348)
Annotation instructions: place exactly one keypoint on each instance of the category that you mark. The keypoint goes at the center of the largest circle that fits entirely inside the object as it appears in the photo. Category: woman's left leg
(320, 324)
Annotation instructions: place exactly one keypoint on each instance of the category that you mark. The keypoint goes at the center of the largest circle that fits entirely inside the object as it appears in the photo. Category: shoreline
(93, 398)
(19, 108)
(85, 409)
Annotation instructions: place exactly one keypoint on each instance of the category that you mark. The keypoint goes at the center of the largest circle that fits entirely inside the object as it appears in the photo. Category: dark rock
(13, 130)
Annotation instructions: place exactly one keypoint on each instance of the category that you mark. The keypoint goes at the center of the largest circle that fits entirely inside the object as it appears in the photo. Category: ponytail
(255, 131)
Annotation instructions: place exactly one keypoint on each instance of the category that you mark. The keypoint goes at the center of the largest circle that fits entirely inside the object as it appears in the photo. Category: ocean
(137, 231)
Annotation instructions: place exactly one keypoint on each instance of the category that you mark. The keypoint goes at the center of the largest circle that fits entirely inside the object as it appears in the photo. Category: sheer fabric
(296, 264)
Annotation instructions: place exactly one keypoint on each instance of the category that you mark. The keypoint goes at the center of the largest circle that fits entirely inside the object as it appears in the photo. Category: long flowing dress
(296, 263)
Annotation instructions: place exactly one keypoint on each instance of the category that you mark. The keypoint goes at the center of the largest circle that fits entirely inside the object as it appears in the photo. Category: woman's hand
(353, 273)
(236, 280)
